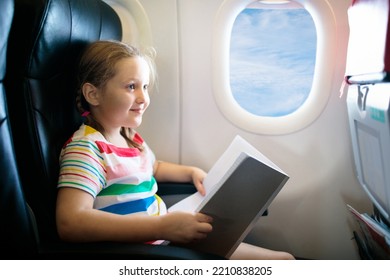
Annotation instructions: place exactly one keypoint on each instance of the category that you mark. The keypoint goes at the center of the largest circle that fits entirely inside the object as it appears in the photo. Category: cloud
(272, 60)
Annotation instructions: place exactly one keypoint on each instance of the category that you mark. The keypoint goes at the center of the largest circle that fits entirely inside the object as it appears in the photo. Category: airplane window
(273, 63)
(272, 59)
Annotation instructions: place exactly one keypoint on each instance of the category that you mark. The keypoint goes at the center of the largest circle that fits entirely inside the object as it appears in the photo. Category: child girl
(108, 174)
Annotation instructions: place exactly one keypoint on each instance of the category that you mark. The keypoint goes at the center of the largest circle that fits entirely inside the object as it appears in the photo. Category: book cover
(239, 188)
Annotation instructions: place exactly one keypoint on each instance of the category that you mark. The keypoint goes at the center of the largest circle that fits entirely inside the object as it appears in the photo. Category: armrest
(174, 192)
(175, 188)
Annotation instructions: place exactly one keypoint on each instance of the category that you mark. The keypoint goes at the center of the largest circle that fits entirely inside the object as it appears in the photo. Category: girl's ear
(90, 94)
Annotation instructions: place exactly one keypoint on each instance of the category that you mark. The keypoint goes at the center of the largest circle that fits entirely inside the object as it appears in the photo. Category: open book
(239, 188)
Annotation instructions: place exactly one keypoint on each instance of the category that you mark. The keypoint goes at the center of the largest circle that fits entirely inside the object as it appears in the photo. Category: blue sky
(272, 60)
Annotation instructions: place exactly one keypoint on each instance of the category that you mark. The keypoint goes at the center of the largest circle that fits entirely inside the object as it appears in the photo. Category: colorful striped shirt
(120, 179)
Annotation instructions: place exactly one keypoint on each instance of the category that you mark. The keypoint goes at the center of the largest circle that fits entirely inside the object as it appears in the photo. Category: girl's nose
(141, 96)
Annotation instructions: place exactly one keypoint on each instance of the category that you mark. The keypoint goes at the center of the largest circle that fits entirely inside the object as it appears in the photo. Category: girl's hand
(183, 227)
(198, 176)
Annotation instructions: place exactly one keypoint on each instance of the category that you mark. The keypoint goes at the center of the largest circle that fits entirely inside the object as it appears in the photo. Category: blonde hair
(97, 67)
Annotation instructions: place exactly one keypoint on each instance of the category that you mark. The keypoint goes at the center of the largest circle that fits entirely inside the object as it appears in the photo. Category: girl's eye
(132, 86)
(146, 86)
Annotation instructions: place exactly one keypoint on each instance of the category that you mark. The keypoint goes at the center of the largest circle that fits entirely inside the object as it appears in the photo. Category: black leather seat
(17, 237)
(46, 39)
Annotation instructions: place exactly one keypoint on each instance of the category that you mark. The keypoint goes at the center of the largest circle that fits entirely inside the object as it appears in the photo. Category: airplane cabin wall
(183, 124)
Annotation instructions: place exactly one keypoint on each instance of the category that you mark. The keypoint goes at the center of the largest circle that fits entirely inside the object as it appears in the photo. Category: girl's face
(124, 99)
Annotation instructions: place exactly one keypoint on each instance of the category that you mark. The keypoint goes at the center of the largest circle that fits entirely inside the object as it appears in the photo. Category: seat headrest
(64, 26)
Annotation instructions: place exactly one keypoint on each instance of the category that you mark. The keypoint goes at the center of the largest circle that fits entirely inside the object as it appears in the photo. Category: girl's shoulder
(85, 134)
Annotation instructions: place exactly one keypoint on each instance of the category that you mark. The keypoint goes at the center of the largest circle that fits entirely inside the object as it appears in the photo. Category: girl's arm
(171, 172)
(77, 221)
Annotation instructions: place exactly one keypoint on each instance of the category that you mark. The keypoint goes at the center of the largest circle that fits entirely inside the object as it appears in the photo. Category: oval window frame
(318, 97)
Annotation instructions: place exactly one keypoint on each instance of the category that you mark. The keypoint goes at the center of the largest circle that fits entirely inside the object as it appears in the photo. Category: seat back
(46, 39)
(17, 234)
